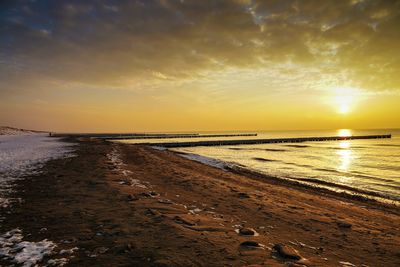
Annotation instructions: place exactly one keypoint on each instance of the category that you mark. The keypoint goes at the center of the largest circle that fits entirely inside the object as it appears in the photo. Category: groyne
(265, 141)
(127, 136)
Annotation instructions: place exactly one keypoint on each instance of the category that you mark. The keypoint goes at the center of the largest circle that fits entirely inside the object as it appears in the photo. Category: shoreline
(315, 185)
(356, 195)
(123, 205)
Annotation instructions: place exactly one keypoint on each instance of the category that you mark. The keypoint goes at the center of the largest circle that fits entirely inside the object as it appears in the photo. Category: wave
(390, 168)
(383, 168)
(297, 164)
(344, 148)
(205, 160)
(311, 157)
(347, 188)
(298, 146)
(392, 145)
(395, 187)
(264, 159)
(329, 170)
(356, 174)
(258, 149)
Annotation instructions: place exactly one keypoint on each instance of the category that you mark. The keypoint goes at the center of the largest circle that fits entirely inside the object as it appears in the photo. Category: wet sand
(127, 205)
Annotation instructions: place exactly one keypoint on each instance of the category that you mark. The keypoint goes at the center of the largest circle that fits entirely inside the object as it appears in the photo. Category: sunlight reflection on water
(345, 155)
(345, 159)
(371, 164)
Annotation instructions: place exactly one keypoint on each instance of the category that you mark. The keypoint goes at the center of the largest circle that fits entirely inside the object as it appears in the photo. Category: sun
(344, 103)
(344, 99)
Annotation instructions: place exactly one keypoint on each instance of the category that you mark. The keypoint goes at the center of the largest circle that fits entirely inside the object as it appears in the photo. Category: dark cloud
(120, 42)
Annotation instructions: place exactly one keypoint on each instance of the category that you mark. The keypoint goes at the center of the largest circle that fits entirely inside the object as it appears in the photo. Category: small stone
(251, 244)
(99, 250)
(165, 201)
(287, 252)
(145, 194)
(344, 225)
(181, 220)
(243, 195)
(153, 212)
(246, 231)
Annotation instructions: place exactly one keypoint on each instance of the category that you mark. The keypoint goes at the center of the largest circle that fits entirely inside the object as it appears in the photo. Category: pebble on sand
(344, 225)
(287, 252)
(247, 231)
(243, 195)
(250, 244)
(181, 220)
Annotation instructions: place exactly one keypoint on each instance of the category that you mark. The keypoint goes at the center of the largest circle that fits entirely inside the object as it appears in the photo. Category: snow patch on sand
(347, 264)
(22, 155)
(206, 160)
(13, 248)
(57, 262)
(115, 158)
(220, 164)
(159, 148)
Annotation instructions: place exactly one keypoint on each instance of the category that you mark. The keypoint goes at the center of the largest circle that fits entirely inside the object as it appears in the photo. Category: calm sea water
(370, 167)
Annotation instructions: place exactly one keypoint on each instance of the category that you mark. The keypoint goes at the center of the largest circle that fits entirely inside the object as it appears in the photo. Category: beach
(199, 133)
(132, 205)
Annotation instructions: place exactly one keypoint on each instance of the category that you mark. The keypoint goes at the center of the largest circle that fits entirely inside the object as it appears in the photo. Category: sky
(145, 66)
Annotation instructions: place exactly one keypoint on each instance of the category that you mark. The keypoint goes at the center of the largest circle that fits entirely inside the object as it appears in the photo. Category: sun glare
(344, 99)
(344, 132)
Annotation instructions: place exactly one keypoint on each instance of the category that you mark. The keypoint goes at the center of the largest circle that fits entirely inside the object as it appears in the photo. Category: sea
(367, 167)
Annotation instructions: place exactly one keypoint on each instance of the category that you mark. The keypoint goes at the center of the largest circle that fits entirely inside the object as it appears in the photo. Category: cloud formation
(136, 43)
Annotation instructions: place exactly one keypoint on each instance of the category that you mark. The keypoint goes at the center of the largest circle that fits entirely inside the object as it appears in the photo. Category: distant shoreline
(5, 130)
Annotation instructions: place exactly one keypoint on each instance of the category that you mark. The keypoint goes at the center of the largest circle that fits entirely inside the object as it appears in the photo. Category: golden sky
(199, 65)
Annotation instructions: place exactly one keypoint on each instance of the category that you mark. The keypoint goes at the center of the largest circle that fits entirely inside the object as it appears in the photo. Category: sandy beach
(128, 205)
(199, 133)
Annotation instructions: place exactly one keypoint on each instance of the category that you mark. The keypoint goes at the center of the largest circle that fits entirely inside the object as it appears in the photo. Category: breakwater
(265, 141)
(127, 136)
